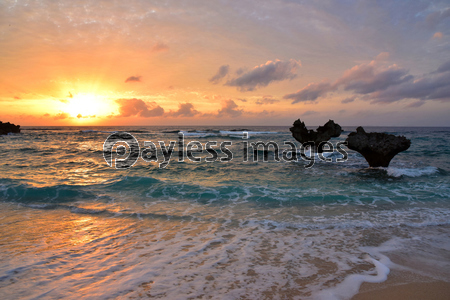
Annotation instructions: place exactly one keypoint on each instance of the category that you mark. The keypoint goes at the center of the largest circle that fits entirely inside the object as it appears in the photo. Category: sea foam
(415, 172)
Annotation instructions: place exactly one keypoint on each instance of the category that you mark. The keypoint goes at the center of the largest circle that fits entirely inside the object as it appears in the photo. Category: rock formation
(6, 128)
(322, 134)
(377, 148)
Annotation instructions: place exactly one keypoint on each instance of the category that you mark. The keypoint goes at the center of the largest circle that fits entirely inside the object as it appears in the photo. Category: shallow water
(71, 226)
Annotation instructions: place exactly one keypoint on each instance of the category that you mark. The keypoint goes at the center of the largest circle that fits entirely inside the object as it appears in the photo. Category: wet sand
(402, 285)
(438, 290)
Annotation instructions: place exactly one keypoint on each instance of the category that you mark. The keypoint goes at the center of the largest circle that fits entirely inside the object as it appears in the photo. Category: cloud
(63, 101)
(239, 71)
(348, 100)
(160, 47)
(310, 112)
(381, 84)
(266, 100)
(85, 117)
(438, 35)
(367, 78)
(362, 79)
(415, 104)
(436, 17)
(133, 79)
(433, 86)
(243, 100)
(185, 110)
(429, 87)
(61, 116)
(70, 95)
(17, 98)
(229, 109)
(263, 113)
(221, 73)
(310, 93)
(445, 67)
(263, 75)
(382, 56)
(139, 108)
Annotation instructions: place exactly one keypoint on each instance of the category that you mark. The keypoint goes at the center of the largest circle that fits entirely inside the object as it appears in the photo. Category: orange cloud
(133, 79)
(160, 47)
(438, 35)
(139, 108)
(185, 110)
(60, 116)
(229, 109)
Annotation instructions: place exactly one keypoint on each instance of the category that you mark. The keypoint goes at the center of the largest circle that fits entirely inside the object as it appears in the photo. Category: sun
(85, 105)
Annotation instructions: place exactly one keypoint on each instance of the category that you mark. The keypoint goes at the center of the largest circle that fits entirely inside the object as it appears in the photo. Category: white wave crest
(235, 134)
(416, 172)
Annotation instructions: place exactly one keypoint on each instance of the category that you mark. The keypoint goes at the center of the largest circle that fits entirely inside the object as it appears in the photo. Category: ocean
(229, 228)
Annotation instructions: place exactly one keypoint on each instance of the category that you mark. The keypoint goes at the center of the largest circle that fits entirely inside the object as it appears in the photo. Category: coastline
(402, 285)
(436, 290)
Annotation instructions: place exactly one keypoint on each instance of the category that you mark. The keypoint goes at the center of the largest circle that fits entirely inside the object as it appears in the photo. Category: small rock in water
(6, 128)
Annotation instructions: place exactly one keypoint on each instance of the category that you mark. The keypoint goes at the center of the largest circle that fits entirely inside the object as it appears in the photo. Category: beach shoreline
(405, 285)
(435, 290)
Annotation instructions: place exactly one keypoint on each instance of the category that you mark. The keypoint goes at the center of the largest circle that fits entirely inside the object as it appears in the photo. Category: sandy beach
(438, 290)
(405, 286)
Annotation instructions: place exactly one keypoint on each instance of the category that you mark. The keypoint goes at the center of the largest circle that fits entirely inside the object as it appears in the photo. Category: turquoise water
(72, 226)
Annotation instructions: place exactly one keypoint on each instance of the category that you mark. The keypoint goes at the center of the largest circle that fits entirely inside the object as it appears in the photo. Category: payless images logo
(116, 154)
(121, 150)
(122, 160)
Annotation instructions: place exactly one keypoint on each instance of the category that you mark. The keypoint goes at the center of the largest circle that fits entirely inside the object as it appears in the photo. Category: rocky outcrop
(6, 128)
(322, 134)
(377, 148)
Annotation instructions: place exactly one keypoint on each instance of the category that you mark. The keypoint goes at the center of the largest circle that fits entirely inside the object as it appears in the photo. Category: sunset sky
(139, 62)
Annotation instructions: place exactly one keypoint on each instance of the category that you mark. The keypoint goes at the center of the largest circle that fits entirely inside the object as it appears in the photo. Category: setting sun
(84, 105)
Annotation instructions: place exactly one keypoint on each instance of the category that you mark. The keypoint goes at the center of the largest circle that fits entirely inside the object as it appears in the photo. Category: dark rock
(377, 148)
(323, 133)
(6, 128)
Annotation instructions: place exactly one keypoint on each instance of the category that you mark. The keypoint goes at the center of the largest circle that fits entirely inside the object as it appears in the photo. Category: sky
(143, 62)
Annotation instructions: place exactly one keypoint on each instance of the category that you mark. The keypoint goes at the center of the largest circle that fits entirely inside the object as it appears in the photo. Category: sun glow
(87, 106)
